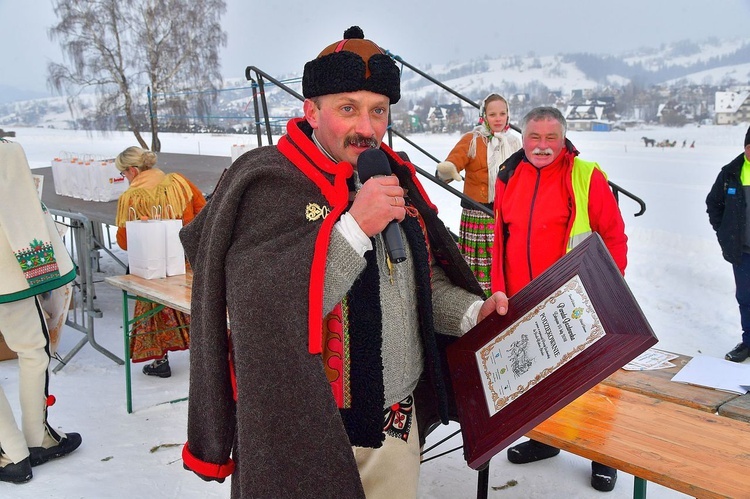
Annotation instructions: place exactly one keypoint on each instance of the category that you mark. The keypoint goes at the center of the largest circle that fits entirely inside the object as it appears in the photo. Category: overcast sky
(280, 36)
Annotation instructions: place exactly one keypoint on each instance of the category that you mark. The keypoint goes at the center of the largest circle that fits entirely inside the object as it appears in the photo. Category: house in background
(732, 107)
(445, 118)
(591, 115)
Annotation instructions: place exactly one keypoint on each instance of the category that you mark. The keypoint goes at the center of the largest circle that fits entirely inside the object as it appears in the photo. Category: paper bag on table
(175, 252)
(108, 184)
(147, 248)
(238, 150)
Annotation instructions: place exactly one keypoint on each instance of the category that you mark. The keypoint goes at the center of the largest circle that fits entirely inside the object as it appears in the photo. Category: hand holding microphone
(379, 205)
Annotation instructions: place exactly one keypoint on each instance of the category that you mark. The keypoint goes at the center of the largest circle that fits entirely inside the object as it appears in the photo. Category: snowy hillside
(723, 64)
(723, 75)
(685, 53)
(678, 63)
(513, 72)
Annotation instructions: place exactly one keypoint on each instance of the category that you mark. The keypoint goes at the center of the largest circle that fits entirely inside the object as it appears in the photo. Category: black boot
(16, 472)
(531, 451)
(603, 478)
(159, 367)
(66, 445)
(738, 353)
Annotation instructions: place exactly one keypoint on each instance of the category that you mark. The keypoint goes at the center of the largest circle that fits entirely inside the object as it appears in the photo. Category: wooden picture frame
(511, 372)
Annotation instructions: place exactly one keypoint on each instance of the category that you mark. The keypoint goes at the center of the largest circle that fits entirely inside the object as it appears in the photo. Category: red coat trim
(303, 153)
(211, 470)
(336, 355)
(298, 148)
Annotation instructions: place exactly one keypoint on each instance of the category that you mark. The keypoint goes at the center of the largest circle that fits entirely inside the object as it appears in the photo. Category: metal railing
(257, 78)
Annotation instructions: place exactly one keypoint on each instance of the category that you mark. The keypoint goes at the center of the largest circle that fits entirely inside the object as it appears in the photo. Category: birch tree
(122, 49)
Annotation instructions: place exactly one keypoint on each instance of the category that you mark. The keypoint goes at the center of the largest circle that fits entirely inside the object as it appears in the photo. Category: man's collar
(322, 149)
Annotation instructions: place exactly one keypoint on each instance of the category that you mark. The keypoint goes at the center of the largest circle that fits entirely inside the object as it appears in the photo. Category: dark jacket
(261, 393)
(726, 208)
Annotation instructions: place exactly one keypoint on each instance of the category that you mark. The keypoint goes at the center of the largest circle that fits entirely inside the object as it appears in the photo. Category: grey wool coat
(260, 406)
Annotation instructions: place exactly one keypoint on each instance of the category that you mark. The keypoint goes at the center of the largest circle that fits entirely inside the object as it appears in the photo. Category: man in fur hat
(333, 350)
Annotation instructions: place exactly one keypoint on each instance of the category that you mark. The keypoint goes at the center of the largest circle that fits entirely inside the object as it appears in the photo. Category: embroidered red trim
(334, 354)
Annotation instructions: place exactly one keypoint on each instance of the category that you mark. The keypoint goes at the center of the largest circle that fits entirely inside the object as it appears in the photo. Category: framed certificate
(570, 328)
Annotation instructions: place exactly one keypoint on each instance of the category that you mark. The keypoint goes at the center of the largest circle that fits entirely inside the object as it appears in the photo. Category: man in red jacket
(547, 200)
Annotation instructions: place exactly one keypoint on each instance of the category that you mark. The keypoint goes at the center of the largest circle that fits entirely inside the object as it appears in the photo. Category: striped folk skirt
(475, 238)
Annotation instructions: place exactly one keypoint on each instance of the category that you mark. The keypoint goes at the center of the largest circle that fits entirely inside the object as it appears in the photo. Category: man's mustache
(360, 141)
(542, 152)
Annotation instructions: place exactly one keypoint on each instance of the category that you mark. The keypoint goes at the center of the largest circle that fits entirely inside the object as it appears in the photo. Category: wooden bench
(688, 438)
(680, 447)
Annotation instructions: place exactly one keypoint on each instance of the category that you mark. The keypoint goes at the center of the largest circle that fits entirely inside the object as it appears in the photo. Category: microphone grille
(372, 162)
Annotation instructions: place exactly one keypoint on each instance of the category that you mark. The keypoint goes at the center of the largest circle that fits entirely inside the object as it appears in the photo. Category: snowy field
(675, 271)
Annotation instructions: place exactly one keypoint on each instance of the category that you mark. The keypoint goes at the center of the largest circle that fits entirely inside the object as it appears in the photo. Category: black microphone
(373, 163)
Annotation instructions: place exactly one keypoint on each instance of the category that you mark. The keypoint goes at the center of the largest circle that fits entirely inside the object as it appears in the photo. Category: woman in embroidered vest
(480, 153)
(168, 330)
(33, 260)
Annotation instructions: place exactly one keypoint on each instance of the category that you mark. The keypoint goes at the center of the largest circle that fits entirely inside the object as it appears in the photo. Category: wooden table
(171, 292)
(658, 383)
(85, 219)
(696, 452)
(174, 291)
(688, 438)
(685, 437)
(203, 171)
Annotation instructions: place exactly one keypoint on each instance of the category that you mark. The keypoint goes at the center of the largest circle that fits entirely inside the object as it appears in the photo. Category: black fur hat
(350, 65)
(747, 137)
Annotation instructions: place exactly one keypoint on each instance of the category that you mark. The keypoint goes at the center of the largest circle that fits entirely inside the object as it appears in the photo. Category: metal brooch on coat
(314, 211)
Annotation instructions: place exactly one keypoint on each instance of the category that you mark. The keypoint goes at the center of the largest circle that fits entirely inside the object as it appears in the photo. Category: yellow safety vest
(581, 179)
(745, 172)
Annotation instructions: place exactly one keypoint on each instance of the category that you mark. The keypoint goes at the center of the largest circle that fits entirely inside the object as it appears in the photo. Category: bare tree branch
(120, 48)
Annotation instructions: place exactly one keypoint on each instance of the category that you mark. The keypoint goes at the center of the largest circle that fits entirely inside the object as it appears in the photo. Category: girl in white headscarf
(480, 153)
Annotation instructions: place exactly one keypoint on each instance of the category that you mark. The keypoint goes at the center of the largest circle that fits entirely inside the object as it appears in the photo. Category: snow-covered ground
(675, 271)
